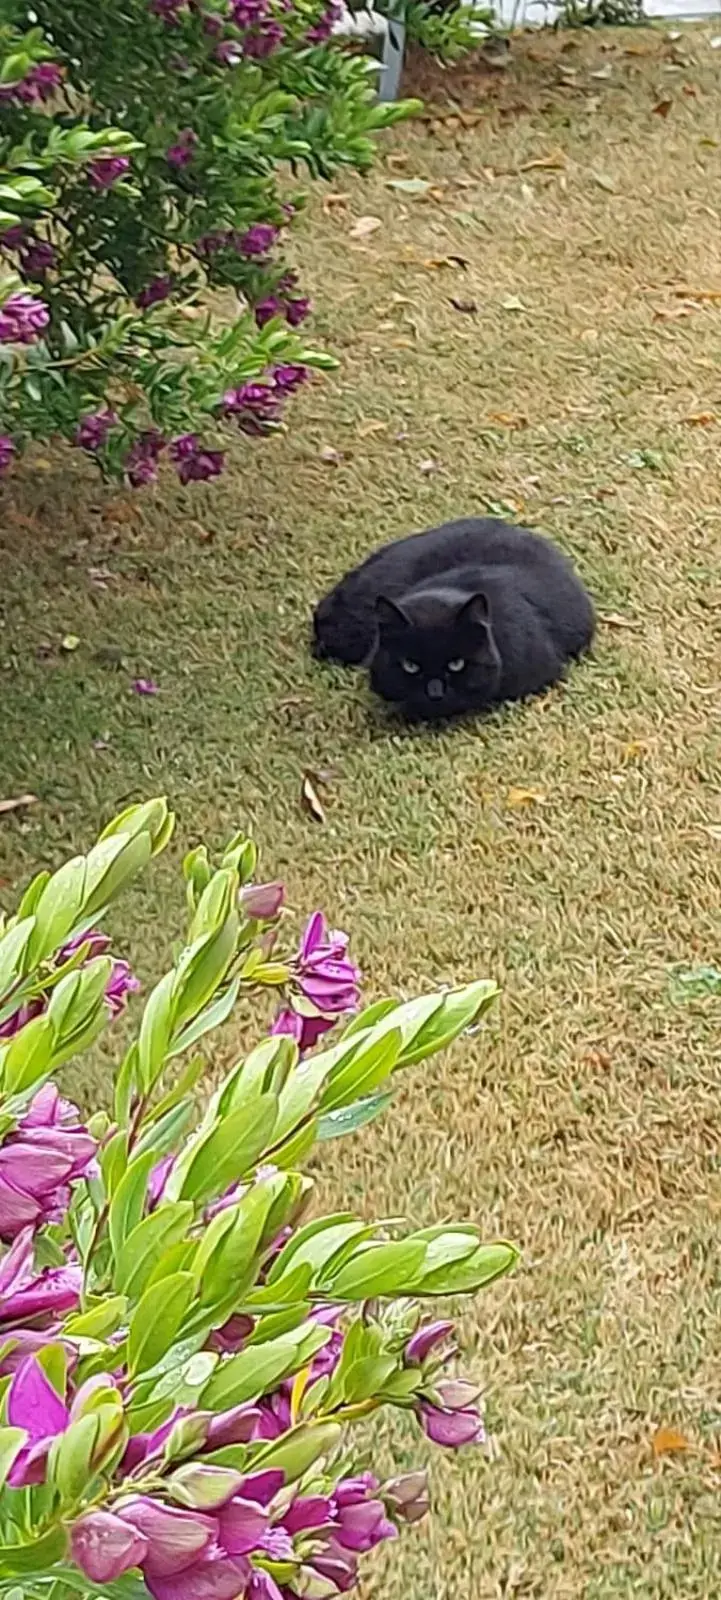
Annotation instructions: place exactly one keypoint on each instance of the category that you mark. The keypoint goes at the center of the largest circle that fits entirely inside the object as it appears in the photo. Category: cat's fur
(458, 618)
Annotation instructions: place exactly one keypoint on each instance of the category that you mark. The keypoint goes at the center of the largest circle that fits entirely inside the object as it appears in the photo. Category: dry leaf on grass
(17, 803)
(429, 466)
(70, 643)
(613, 619)
(310, 800)
(668, 1442)
(470, 307)
(662, 109)
(604, 182)
(701, 419)
(635, 750)
(508, 419)
(511, 302)
(334, 202)
(517, 797)
(409, 185)
(437, 263)
(553, 162)
(709, 297)
(330, 456)
(370, 426)
(363, 227)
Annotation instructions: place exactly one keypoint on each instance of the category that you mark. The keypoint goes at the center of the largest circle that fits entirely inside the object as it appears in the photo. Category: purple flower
(38, 1162)
(289, 377)
(154, 292)
(174, 1538)
(93, 429)
(268, 308)
(451, 1418)
(246, 13)
(322, 970)
(262, 901)
(194, 461)
(145, 686)
(13, 238)
(407, 1496)
(262, 41)
(7, 451)
(141, 462)
(22, 319)
(33, 1404)
(167, 10)
(180, 154)
(229, 52)
(25, 1294)
(103, 1546)
(424, 1340)
(295, 308)
(104, 171)
(323, 28)
(210, 243)
(213, 24)
(258, 239)
(38, 256)
(305, 1030)
(254, 406)
(122, 982)
(39, 84)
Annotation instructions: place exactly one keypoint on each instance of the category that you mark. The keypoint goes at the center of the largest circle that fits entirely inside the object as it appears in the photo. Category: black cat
(459, 618)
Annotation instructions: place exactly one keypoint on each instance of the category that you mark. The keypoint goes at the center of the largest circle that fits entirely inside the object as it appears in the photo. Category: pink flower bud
(104, 1547)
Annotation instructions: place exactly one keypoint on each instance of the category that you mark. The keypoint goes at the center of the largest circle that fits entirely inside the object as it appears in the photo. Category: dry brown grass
(585, 1121)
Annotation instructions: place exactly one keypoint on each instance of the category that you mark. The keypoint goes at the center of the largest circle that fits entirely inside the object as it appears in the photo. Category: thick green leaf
(347, 1119)
(100, 1320)
(488, 1262)
(213, 1016)
(155, 1032)
(458, 1011)
(228, 1152)
(382, 1269)
(257, 1370)
(300, 1449)
(157, 1320)
(371, 1065)
(11, 1442)
(128, 1202)
(144, 1247)
(19, 1560)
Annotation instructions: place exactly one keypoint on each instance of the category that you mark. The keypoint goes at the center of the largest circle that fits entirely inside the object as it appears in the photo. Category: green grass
(584, 1121)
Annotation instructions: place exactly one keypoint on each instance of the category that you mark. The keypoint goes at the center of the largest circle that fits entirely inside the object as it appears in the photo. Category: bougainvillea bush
(189, 1354)
(147, 153)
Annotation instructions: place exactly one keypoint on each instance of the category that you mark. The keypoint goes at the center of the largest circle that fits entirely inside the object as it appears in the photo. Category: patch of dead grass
(584, 1120)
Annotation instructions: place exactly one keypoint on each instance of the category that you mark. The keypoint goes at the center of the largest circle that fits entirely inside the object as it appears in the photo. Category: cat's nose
(435, 688)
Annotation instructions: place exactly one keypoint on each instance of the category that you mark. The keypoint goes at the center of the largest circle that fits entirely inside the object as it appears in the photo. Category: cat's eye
(410, 666)
(457, 665)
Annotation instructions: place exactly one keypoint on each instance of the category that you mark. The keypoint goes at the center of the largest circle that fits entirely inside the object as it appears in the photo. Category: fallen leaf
(330, 456)
(429, 466)
(70, 642)
(363, 227)
(703, 296)
(101, 744)
(334, 202)
(550, 163)
(604, 182)
(662, 109)
(602, 72)
(508, 419)
(437, 263)
(17, 803)
(674, 313)
(701, 419)
(613, 619)
(635, 750)
(100, 577)
(310, 800)
(668, 1441)
(525, 797)
(408, 185)
(203, 535)
(690, 89)
(470, 307)
(373, 425)
(511, 302)
(144, 686)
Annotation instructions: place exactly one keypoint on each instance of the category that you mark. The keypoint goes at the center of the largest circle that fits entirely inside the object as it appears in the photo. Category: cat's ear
(475, 612)
(390, 616)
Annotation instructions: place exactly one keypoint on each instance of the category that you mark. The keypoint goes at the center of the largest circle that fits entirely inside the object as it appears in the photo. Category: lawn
(534, 327)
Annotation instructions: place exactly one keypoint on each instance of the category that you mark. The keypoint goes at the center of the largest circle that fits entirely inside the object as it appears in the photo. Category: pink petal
(104, 1547)
(34, 1404)
(215, 1578)
(242, 1524)
(17, 1267)
(145, 686)
(313, 936)
(17, 1209)
(175, 1538)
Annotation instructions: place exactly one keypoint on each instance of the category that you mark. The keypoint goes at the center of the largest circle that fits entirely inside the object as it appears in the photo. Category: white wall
(532, 12)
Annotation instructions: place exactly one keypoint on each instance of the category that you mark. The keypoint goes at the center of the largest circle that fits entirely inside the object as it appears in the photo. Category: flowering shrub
(140, 149)
(186, 1354)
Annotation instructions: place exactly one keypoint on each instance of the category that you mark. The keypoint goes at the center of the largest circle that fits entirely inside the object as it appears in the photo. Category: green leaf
(57, 910)
(370, 1066)
(17, 1560)
(157, 1320)
(11, 1442)
(163, 1134)
(347, 1119)
(458, 1011)
(100, 1321)
(13, 946)
(257, 1370)
(229, 1150)
(378, 1270)
(213, 1016)
(69, 1461)
(128, 1202)
(155, 1032)
(299, 1449)
(488, 1262)
(145, 1245)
